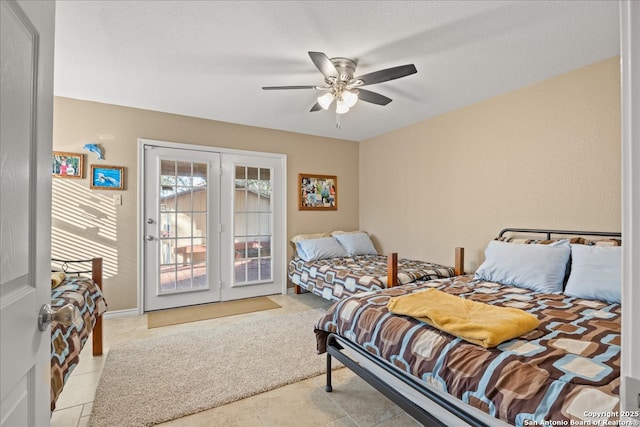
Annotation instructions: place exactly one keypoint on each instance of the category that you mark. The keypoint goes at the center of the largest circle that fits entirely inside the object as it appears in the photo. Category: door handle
(149, 237)
(64, 315)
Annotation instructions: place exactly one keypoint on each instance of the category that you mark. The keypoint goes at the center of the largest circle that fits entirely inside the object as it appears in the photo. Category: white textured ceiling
(209, 59)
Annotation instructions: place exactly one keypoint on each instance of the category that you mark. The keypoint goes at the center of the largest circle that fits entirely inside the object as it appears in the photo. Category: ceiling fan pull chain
(338, 121)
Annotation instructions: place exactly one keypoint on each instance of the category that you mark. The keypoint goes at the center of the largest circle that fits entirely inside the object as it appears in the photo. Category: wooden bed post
(392, 269)
(459, 263)
(96, 276)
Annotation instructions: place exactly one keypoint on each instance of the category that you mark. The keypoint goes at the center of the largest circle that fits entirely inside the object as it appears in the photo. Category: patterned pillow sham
(599, 242)
(338, 232)
(57, 277)
(572, 240)
(522, 241)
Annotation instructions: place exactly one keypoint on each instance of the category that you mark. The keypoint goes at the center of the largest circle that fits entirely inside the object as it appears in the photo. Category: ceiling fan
(341, 86)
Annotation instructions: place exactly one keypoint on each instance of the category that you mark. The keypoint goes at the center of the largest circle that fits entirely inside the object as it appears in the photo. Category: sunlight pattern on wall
(84, 224)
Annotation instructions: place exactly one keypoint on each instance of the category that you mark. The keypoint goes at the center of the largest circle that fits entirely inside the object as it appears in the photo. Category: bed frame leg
(328, 387)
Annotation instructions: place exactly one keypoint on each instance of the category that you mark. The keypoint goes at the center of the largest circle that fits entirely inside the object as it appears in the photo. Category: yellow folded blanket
(57, 278)
(479, 323)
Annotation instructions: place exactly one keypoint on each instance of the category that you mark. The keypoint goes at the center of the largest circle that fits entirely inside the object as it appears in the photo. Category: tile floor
(352, 403)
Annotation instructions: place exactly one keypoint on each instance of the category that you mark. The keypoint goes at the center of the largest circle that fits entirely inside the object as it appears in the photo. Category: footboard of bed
(392, 266)
(335, 348)
(96, 275)
(96, 336)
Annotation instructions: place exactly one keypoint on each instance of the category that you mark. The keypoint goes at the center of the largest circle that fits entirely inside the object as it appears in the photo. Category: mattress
(568, 368)
(337, 278)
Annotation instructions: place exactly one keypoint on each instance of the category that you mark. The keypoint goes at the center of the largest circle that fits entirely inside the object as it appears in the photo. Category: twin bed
(564, 369)
(337, 265)
(78, 283)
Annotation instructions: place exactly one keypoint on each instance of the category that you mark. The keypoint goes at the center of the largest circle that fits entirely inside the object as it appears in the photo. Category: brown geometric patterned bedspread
(564, 369)
(67, 342)
(337, 278)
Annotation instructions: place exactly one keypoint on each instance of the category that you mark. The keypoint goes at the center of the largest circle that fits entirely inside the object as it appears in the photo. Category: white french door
(212, 225)
(252, 258)
(181, 217)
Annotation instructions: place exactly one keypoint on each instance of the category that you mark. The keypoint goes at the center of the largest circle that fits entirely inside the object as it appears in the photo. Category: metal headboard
(548, 233)
(65, 267)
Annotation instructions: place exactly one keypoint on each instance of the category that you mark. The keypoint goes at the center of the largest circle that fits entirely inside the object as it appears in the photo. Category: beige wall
(547, 155)
(86, 223)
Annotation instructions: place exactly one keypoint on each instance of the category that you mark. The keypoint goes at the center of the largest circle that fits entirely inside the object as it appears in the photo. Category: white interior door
(26, 118)
(253, 226)
(181, 227)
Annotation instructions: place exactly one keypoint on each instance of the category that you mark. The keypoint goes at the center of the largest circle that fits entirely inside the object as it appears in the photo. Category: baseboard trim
(120, 313)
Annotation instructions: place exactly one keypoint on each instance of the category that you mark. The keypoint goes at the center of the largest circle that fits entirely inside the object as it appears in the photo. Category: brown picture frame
(106, 177)
(317, 192)
(67, 165)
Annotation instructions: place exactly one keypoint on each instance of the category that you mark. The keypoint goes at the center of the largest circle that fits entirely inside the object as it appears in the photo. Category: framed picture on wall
(317, 192)
(67, 165)
(107, 177)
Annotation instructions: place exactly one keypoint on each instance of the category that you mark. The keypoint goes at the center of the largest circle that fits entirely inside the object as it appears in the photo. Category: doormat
(176, 316)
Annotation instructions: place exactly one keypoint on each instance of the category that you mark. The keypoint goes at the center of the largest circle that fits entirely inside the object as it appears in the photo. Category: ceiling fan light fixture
(325, 100)
(341, 85)
(341, 107)
(350, 97)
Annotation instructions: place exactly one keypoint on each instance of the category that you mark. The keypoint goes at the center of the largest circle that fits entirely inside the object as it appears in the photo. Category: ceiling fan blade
(373, 97)
(385, 75)
(324, 64)
(316, 107)
(288, 87)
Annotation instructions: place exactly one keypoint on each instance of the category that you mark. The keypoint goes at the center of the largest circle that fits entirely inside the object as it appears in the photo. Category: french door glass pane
(253, 216)
(183, 230)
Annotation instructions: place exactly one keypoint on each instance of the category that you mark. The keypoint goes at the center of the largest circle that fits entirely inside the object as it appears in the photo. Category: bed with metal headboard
(77, 306)
(563, 368)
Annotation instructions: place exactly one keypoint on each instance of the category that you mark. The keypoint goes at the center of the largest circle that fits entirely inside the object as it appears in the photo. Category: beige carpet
(149, 381)
(194, 313)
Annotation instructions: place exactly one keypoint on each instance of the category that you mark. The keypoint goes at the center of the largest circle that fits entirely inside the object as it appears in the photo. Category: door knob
(64, 315)
(149, 237)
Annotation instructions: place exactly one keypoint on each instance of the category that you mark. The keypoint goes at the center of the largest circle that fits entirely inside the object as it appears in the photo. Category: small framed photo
(67, 165)
(107, 177)
(317, 192)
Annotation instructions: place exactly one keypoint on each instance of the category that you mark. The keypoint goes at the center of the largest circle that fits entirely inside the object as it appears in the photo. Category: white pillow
(295, 239)
(537, 267)
(356, 244)
(313, 249)
(596, 273)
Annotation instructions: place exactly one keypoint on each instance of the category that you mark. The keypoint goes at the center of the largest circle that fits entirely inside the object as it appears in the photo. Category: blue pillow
(314, 249)
(596, 273)
(537, 267)
(356, 244)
